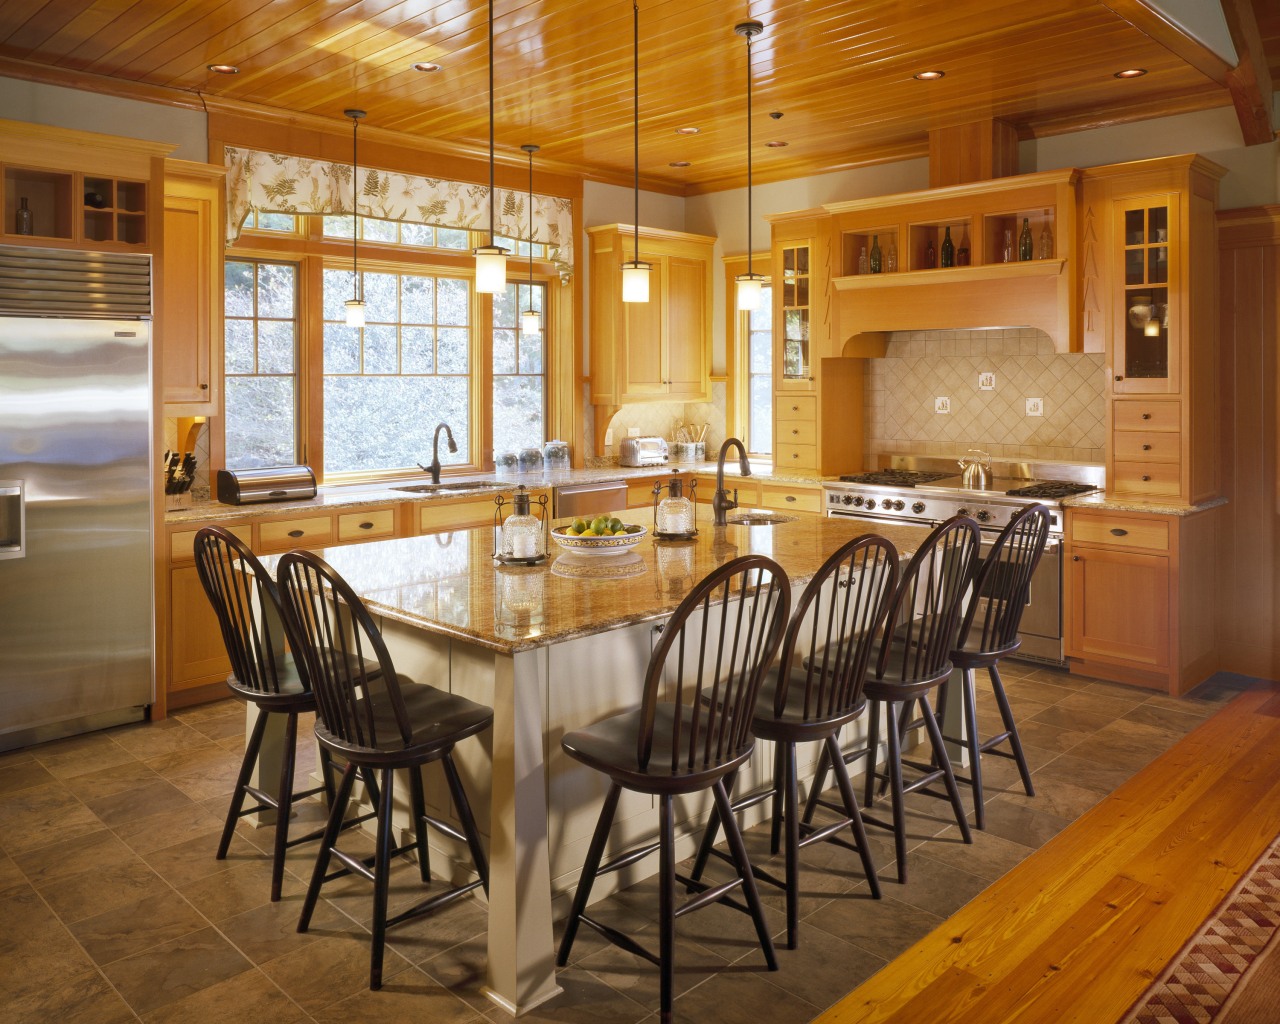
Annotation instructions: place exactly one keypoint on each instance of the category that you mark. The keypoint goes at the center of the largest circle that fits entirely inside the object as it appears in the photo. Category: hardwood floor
(1079, 930)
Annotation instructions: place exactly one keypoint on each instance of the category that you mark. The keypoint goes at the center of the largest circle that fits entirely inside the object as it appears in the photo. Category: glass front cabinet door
(795, 356)
(1146, 334)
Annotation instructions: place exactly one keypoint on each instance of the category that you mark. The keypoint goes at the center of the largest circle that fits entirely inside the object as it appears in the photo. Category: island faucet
(434, 468)
(720, 502)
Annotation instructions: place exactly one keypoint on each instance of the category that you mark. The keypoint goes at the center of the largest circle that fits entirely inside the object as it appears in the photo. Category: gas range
(929, 497)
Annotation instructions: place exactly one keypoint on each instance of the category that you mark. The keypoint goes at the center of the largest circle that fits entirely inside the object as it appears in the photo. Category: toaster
(643, 451)
(251, 486)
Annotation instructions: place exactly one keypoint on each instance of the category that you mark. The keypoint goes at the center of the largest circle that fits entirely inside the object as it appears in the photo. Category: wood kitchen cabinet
(1135, 592)
(189, 305)
(658, 350)
(1150, 302)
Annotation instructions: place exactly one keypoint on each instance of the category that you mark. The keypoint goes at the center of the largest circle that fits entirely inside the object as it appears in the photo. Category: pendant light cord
(531, 149)
(749, 273)
(635, 120)
(491, 188)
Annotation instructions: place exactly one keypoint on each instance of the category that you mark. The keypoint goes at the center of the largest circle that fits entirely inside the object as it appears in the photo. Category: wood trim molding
(1153, 22)
(1250, 80)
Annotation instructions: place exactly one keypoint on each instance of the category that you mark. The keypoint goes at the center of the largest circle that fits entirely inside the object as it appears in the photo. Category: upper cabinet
(983, 254)
(658, 350)
(70, 189)
(189, 306)
(1149, 243)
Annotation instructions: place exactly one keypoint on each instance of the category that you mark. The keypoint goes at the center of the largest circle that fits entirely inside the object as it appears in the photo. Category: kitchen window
(261, 303)
(757, 327)
(519, 377)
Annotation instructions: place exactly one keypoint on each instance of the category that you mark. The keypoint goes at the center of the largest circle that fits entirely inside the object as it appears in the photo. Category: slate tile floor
(112, 907)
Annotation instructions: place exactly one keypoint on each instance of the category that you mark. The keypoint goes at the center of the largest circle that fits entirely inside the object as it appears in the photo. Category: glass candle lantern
(673, 515)
(521, 536)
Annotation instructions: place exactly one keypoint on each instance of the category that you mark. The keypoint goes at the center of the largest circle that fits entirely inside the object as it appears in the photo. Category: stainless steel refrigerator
(76, 589)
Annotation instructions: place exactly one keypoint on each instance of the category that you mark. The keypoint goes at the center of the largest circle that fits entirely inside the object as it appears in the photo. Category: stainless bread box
(643, 451)
(251, 486)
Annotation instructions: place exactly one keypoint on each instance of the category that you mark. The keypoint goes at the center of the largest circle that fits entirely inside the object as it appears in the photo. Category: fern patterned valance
(274, 183)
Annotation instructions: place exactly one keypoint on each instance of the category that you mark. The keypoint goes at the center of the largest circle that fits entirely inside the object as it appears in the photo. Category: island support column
(521, 971)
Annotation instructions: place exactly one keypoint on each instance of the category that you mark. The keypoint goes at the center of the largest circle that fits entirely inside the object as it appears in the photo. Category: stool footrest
(433, 903)
(709, 894)
(621, 940)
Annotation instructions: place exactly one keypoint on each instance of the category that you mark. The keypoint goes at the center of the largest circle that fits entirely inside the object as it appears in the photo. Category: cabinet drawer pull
(795, 433)
(366, 526)
(795, 408)
(1146, 415)
(791, 497)
(1119, 378)
(296, 533)
(204, 387)
(1117, 532)
(795, 455)
(1075, 558)
(1146, 447)
(1146, 476)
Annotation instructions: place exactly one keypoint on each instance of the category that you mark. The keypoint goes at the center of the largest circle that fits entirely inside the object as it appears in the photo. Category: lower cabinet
(196, 654)
(1137, 597)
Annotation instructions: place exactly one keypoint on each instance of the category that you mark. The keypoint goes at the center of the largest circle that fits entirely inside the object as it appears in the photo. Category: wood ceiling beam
(1250, 80)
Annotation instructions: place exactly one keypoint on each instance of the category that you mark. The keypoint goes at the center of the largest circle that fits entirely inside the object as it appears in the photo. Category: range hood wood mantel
(987, 293)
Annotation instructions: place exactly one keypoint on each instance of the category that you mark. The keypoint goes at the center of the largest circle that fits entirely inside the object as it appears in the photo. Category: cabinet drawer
(791, 407)
(795, 456)
(1154, 479)
(1147, 415)
(788, 498)
(1121, 532)
(314, 531)
(797, 431)
(363, 525)
(182, 545)
(434, 516)
(1147, 446)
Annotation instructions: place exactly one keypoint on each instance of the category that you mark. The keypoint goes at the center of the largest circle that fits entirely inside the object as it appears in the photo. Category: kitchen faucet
(720, 503)
(434, 468)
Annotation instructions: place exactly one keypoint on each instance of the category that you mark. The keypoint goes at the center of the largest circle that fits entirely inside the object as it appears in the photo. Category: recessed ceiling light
(929, 76)
(688, 131)
(425, 65)
(224, 69)
(680, 163)
(1130, 73)
(776, 145)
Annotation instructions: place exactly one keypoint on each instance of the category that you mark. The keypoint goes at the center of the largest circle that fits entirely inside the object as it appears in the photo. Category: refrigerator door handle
(13, 519)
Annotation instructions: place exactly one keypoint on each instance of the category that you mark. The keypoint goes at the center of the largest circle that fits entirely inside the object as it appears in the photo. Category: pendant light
(491, 259)
(530, 321)
(749, 284)
(635, 272)
(355, 304)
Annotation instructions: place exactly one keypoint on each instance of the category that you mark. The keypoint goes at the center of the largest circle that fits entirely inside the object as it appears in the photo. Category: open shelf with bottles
(46, 198)
(1004, 239)
(69, 207)
(928, 242)
(859, 251)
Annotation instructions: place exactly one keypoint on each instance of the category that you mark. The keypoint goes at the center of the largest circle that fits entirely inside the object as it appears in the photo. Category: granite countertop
(1099, 502)
(448, 584)
(335, 497)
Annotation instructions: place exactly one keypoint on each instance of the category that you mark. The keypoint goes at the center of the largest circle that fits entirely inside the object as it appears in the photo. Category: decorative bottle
(948, 249)
(1025, 248)
(1046, 242)
(1006, 252)
(22, 218)
(891, 258)
(863, 266)
(876, 264)
(930, 256)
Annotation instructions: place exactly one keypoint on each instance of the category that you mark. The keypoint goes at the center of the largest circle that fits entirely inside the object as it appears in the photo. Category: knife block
(177, 501)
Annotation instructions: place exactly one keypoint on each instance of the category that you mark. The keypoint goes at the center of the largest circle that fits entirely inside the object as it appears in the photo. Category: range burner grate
(896, 477)
(1050, 489)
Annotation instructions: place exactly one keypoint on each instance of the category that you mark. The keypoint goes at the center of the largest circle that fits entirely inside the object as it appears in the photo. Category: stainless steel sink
(450, 486)
(760, 519)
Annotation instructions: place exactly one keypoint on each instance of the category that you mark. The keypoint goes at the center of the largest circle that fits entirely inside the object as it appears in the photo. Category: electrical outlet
(986, 382)
(608, 438)
(633, 431)
(1035, 407)
(942, 406)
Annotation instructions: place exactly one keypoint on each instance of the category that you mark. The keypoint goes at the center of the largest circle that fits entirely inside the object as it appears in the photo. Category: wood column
(978, 151)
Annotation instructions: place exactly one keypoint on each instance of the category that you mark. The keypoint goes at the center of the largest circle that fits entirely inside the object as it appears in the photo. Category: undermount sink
(760, 519)
(449, 486)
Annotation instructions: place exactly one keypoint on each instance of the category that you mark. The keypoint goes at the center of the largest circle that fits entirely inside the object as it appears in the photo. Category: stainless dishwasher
(588, 499)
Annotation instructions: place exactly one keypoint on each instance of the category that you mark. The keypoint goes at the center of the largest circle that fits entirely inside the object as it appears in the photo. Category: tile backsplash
(921, 367)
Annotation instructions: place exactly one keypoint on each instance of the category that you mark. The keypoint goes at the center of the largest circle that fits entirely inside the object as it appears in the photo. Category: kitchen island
(551, 648)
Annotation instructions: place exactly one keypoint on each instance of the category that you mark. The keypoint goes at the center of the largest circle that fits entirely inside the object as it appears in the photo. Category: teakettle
(975, 473)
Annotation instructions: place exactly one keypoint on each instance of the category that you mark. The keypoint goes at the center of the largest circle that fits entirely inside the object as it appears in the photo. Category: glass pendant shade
(530, 322)
(749, 290)
(355, 313)
(635, 281)
(491, 269)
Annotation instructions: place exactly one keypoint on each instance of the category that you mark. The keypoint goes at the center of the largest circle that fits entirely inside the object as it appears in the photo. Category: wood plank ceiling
(839, 72)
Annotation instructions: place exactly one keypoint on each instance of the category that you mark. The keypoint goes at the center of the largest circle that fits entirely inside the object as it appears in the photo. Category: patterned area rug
(1229, 972)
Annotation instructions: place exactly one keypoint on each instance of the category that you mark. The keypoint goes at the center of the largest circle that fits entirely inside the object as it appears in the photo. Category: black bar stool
(378, 722)
(989, 632)
(912, 661)
(264, 674)
(818, 689)
(719, 642)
